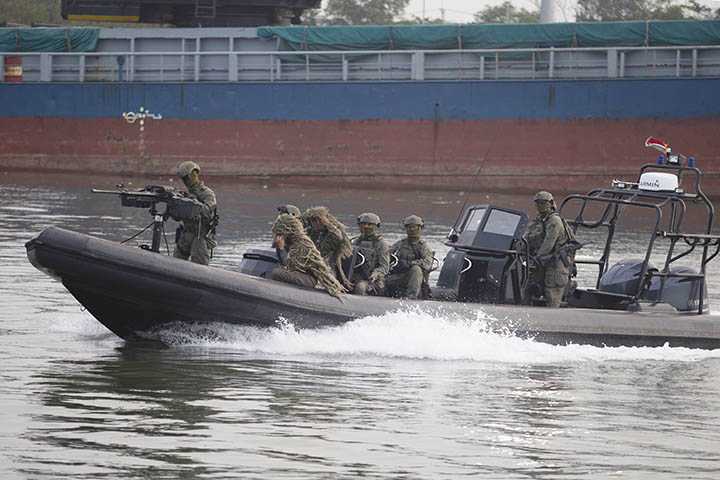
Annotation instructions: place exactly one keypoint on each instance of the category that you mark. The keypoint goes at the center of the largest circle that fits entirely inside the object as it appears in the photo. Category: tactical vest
(207, 226)
(368, 248)
(537, 230)
(406, 252)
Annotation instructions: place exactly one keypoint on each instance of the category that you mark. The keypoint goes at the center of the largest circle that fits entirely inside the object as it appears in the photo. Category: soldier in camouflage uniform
(330, 237)
(409, 277)
(295, 212)
(304, 266)
(195, 239)
(546, 235)
(369, 278)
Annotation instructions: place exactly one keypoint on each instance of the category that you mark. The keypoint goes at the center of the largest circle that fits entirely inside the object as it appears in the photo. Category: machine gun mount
(177, 206)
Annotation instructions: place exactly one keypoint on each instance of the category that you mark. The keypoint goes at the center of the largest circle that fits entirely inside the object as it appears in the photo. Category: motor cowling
(623, 277)
(683, 293)
(258, 262)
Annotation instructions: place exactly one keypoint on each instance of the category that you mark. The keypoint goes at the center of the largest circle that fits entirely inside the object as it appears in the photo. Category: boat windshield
(502, 223)
(473, 220)
(483, 221)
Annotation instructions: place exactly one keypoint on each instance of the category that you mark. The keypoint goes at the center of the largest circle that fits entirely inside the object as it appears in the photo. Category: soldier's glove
(375, 276)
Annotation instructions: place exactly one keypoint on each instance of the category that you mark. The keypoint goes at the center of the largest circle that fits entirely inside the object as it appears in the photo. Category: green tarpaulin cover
(48, 39)
(492, 36)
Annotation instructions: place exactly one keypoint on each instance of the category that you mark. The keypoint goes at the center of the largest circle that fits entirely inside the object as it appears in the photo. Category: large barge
(498, 107)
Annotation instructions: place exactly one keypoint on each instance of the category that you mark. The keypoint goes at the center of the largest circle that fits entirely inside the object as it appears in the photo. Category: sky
(463, 10)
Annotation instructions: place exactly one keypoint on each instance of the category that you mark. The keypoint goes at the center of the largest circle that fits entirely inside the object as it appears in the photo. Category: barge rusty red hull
(520, 135)
(512, 155)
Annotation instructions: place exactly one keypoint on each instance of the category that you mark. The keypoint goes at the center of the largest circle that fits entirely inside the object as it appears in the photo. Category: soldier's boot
(394, 284)
(553, 296)
(413, 279)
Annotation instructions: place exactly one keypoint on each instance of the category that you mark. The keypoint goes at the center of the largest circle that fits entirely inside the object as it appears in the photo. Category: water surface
(405, 395)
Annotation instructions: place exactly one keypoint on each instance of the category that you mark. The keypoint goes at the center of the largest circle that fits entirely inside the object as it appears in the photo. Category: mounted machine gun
(177, 206)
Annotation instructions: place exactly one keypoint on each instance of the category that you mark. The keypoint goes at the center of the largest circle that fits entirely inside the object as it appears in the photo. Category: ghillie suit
(331, 240)
(303, 256)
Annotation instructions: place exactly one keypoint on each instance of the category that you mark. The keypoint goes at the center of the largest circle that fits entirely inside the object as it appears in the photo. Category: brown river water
(406, 395)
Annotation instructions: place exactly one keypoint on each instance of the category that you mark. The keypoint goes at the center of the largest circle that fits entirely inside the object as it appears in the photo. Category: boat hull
(135, 293)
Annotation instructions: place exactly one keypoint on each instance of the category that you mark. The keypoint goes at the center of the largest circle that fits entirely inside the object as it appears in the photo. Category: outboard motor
(259, 262)
(682, 293)
(623, 277)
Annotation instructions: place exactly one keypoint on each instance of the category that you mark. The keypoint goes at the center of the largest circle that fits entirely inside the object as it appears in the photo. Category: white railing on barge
(349, 66)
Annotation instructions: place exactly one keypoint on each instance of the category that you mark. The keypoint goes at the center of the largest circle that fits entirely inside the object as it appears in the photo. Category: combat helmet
(289, 209)
(369, 217)
(186, 168)
(413, 220)
(543, 196)
(315, 212)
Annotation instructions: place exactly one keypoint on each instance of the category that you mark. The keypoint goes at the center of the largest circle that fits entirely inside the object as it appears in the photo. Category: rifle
(177, 206)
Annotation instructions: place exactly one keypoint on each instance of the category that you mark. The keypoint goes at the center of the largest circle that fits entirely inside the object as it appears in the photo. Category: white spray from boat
(411, 334)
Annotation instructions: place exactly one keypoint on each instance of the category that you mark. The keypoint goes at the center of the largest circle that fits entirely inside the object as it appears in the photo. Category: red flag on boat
(657, 144)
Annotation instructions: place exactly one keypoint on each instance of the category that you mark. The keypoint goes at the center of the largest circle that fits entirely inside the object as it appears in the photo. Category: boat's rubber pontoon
(137, 292)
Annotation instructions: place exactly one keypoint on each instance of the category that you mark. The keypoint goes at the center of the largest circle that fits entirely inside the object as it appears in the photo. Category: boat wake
(411, 334)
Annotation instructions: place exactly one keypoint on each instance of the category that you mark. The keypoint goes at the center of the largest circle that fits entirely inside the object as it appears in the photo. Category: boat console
(485, 263)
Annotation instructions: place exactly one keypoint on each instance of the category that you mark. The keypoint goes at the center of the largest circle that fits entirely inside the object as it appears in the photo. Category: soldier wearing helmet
(371, 257)
(546, 236)
(195, 238)
(330, 237)
(409, 276)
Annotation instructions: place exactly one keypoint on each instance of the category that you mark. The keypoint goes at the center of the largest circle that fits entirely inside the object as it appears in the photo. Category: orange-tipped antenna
(657, 144)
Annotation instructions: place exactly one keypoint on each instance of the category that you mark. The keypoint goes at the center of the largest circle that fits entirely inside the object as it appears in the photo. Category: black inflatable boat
(136, 293)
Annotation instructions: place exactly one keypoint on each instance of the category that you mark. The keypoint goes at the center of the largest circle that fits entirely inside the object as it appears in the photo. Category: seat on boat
(592, 298)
